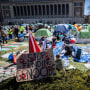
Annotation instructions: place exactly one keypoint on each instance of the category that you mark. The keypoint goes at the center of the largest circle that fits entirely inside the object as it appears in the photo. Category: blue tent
(64, 28)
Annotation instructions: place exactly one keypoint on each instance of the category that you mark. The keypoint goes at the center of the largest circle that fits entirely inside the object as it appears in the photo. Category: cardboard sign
(35, 66)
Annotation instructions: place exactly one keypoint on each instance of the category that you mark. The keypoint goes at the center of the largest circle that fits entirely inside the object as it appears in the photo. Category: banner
(35, 66)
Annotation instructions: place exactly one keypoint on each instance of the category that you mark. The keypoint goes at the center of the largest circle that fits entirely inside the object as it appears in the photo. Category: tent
(85, 24)
(39, 23)
(43, 32)
(64, 28)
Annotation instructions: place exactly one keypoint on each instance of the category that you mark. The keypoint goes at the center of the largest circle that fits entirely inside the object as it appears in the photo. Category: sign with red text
(35, 66)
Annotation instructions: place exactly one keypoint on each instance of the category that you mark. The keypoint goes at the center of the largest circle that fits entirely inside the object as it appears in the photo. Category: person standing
(2, 36)
(26, 29)
(10, 33)
(16, 30)
(21, 29)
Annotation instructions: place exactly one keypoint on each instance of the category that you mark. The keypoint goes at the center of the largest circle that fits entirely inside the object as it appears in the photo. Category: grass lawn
(20, 48)
(78, 65)
(70, 80)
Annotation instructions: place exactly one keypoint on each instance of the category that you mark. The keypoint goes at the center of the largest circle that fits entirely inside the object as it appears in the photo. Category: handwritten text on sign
(35, 66)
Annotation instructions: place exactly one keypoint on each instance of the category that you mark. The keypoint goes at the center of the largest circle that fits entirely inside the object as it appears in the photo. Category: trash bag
(10, 56)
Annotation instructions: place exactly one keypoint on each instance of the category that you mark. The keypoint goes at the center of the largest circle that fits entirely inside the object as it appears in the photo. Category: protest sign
(35, 66)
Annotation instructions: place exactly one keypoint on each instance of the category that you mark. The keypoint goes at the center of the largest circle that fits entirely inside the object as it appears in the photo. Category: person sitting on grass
(59, 63)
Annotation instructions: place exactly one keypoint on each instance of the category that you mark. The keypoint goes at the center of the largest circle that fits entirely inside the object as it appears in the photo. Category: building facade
(87, 19)
(45, 11)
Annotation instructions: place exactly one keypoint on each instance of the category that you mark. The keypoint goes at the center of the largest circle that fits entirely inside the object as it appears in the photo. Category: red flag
(34, 47)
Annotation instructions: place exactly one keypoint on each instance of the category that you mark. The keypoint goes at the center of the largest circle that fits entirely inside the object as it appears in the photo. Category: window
(77, 11)
(55, 9)
(47, 9)
(32, 10)
(43, 9)
(51, 9)
(39, 9)
(18, 12)
(36, 12)
(78, 4)
(25, 11)
(28, 8)
(67, 9)
(63, 9)
(21, 9)
(14, 9)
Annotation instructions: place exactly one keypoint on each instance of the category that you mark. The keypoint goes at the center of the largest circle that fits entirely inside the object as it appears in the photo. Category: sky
(86, 11)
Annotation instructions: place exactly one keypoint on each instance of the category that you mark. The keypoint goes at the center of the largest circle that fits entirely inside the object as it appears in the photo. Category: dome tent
(64, 28)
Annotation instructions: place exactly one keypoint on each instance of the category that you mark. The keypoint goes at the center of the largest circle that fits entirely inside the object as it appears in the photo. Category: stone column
(30, 10)
(2, 12)
(16, 11)
(11, 11)
(71, 10)
(57, 10)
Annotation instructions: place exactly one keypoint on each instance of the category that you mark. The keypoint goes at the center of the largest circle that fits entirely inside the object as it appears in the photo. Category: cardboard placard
(35, 66)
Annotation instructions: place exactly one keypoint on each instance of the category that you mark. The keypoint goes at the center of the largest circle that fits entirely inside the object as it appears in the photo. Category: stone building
(45, 11)
(87, 19)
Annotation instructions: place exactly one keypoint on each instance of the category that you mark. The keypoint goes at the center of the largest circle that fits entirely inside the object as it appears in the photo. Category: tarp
(43, 32)
(22, 35)
(85, 55)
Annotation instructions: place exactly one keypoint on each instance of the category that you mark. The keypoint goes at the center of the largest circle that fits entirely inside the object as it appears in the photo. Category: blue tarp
(22, 35)
(83, 58)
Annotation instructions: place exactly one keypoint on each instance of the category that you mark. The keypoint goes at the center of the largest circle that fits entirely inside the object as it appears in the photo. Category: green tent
(43, 32)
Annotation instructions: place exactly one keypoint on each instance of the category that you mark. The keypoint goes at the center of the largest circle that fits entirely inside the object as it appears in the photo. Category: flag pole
(29, 42)
(29, 46)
